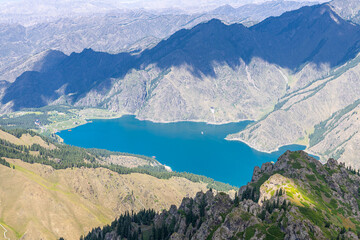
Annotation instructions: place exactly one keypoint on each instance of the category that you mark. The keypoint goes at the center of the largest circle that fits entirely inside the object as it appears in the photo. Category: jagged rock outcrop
(295, 198)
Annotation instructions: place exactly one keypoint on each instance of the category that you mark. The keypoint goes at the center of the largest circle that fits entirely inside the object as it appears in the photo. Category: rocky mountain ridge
(137, 83)
(330, 131)
(295, 198)
(24, 35)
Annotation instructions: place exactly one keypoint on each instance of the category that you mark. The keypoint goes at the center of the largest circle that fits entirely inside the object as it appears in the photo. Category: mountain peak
(225, 9)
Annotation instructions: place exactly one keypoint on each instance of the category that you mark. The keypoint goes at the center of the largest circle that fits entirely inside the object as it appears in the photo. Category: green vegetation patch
(260, 182)
(4, 162)
(311, 177)
(295, 155)
(274, 232)
(245, 216)
(312, 215)
(328, 125)
(333, 203)
(296, 165)
(249, 232)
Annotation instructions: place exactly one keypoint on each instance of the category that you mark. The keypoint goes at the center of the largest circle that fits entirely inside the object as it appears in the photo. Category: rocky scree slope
(295, 198)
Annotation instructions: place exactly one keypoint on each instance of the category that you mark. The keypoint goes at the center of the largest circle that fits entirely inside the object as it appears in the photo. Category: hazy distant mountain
(259, 12)
(113, 31)
(34, 11)
(348, 9)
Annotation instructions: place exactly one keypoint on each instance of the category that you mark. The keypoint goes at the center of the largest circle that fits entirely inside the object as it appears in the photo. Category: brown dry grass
(37, 201)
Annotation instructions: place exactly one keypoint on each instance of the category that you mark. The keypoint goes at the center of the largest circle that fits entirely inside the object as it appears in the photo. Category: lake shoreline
(199, 148)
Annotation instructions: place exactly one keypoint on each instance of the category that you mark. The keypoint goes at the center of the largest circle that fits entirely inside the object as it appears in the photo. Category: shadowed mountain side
(204, 45)
(51, 59)
(76, 74)
(311, 34)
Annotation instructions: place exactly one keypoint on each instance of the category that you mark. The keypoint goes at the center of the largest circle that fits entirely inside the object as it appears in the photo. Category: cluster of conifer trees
(250, 193)
(270, 206)
(141, 225)
(127, 226)
(353, 170)
(4, 162)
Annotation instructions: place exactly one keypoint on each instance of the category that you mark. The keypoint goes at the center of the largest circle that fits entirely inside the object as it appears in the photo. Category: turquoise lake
(198, 148)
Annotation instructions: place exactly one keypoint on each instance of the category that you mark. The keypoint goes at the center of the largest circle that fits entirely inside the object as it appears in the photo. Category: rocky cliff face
(295, 198)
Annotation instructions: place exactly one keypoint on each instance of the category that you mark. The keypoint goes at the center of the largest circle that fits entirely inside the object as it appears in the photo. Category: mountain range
(25, 36)
(272, 72)
(288, 42)
(347, 9)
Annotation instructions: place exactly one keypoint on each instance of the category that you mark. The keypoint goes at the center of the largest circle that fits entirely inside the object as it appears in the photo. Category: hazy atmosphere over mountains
(27, 36)
(290, 67)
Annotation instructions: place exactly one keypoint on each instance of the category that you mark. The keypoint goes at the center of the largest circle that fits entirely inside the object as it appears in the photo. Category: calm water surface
(198, 148)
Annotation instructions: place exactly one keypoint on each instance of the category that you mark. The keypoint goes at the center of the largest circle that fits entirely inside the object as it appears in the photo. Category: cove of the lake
(194, 147)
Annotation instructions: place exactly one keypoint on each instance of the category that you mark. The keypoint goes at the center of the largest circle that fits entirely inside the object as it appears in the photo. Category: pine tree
(236, 200)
